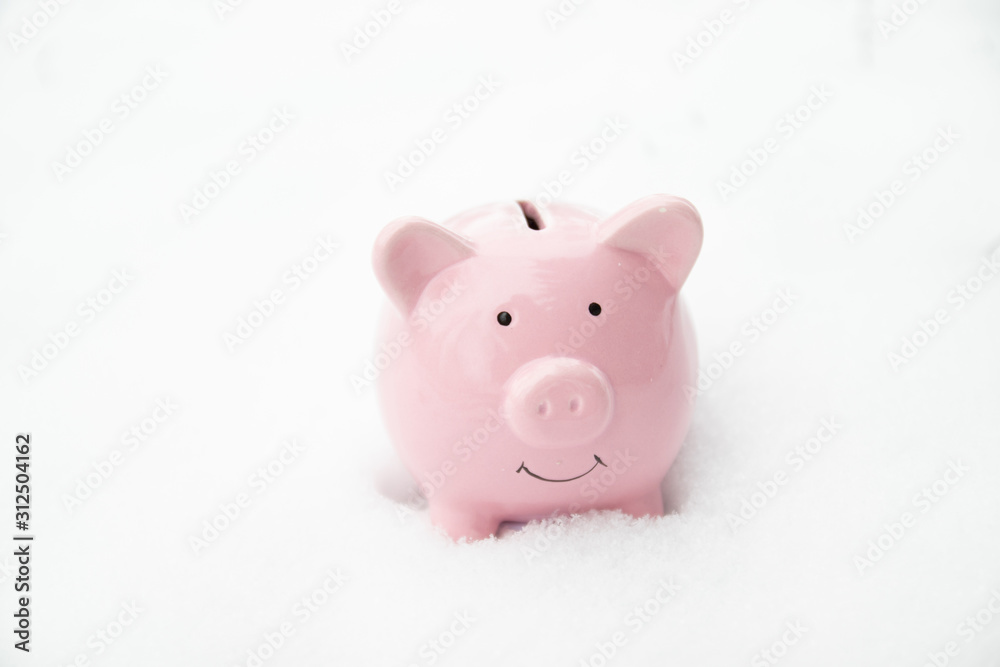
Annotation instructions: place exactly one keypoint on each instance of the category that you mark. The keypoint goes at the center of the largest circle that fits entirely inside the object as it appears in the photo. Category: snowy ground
(880, 548)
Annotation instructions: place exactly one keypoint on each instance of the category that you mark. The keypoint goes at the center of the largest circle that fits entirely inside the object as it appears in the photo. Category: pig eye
(504, 318)
(595, 309)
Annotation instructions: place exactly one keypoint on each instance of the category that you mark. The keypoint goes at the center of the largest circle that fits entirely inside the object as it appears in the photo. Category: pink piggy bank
(539, 358)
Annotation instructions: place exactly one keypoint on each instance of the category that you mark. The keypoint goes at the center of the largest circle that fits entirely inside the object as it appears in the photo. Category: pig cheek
(630, 347)
(475, 351)
(461, 361)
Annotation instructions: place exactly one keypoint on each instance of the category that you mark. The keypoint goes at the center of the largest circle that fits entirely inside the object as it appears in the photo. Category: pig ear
(411, 251)
(667, 230)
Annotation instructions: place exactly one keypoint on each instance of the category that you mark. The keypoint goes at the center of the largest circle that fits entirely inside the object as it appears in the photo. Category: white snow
(788, 581)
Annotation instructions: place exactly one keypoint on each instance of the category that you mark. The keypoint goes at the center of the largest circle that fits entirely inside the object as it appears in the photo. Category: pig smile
(545, 479)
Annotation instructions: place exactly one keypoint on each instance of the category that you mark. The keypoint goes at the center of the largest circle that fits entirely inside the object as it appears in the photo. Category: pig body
(540, 371)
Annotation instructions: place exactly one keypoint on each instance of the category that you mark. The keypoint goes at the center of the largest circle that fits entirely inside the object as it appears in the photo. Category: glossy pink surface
(508, 398)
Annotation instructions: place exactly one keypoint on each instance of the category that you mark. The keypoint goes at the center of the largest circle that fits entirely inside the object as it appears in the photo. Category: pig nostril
(543, 409)
(574, 405)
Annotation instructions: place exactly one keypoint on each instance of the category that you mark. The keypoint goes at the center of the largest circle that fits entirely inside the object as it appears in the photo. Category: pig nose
(558, 402)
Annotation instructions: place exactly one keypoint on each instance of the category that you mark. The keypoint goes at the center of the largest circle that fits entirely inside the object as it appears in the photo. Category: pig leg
(646, 504)
(463, 522)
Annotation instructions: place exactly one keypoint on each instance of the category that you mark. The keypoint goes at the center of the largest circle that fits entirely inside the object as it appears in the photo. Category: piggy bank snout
(558, 402)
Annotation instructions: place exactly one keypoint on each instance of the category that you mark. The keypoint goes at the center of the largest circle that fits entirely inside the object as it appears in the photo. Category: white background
(549, 594)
